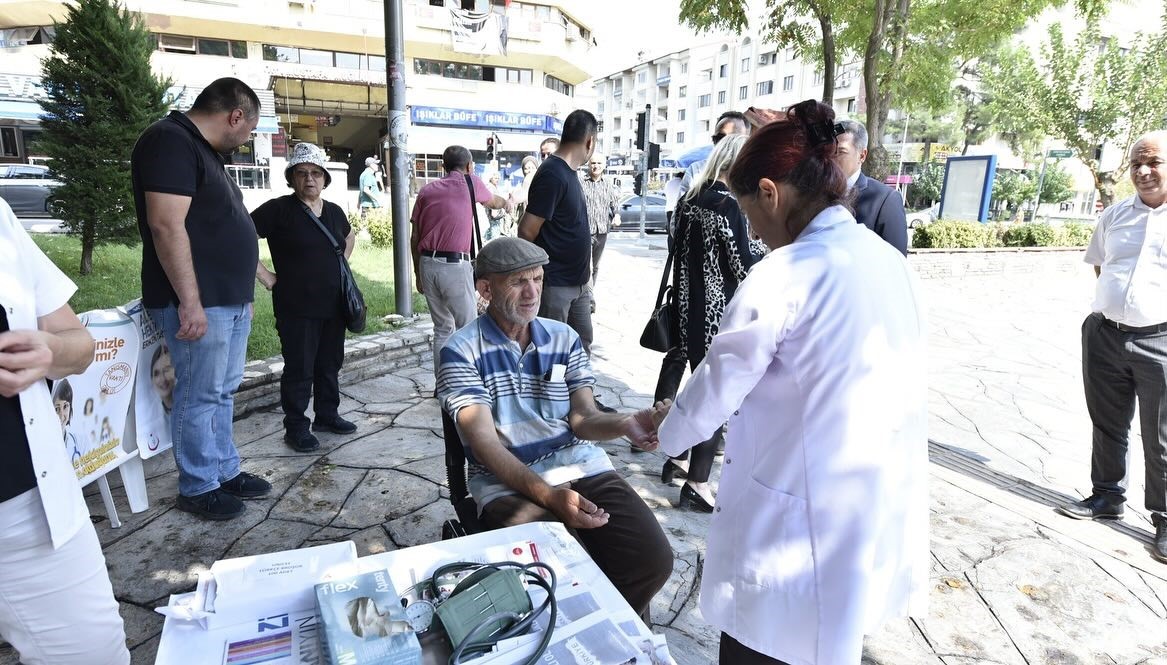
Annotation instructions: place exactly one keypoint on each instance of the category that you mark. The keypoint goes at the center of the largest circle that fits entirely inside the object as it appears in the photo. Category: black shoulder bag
(661, 334)
(476, 239)
(352, 300)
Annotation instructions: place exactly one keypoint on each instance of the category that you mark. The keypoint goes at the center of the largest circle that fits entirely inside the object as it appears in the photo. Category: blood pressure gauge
(420, 614)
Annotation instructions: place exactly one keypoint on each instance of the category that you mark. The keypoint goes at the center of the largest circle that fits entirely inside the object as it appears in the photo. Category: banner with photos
(93, 406)
(153, 385)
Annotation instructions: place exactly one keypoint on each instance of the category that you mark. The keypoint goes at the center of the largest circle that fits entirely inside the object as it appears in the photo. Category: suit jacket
(880, 208)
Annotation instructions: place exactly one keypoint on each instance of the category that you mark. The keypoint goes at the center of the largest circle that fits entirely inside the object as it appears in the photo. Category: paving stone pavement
(1012, 582)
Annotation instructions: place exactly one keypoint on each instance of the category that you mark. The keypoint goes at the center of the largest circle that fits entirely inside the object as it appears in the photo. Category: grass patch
(116, 280)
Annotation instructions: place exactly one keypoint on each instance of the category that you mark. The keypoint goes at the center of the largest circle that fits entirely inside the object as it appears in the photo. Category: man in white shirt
(1124, 343)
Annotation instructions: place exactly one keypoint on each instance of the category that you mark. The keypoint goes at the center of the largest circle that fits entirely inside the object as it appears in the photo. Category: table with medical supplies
(285, 607)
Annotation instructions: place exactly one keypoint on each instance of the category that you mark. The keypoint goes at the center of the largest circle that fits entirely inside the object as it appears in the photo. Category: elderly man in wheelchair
(516, 390)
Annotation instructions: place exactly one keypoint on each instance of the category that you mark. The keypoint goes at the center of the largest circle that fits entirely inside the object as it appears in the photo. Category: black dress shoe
(246, 486)
(672, 470)
(214, 505)
(1094, 507)
(335, 425)
(302, 442)
(694, 501)
(1159, 545)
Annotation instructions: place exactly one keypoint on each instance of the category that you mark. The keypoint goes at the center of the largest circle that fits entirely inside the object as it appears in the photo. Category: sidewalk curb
(365, 357)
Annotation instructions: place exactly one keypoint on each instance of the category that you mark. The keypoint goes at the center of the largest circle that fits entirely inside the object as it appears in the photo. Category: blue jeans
(207, 372)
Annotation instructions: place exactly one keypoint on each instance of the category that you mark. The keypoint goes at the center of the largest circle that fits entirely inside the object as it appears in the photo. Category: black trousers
(1118, 368)
(631, 548)
(700, 456)
(313, 353)
(732, 652)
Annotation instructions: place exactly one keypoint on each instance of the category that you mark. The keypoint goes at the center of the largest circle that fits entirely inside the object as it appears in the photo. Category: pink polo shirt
(442, 216)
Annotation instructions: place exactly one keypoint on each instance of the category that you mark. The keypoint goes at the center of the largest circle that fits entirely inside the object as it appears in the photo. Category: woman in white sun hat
(306, 296)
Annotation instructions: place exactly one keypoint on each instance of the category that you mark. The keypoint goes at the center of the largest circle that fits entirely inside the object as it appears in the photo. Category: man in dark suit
(877, 206)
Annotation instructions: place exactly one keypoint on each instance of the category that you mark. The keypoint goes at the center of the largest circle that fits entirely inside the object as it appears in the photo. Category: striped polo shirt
(529, 394)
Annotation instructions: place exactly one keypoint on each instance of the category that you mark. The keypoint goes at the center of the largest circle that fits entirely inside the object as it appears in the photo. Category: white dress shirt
(820, 532)
(1128, 245)
(31, 286)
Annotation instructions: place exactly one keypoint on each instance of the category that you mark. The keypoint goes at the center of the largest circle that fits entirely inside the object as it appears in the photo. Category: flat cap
(506, 255)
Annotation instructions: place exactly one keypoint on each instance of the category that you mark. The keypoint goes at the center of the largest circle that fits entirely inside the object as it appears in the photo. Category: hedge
(972, 235)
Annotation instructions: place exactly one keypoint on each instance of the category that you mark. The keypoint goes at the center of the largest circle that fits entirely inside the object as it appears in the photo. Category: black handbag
(352, 300)
(661, 332)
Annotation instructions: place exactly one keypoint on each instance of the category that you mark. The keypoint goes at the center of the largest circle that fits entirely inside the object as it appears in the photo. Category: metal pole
(644, 168)
(900, 169)
(398, 158)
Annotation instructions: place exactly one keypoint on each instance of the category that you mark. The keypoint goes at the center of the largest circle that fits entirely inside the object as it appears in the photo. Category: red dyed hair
(785, 151)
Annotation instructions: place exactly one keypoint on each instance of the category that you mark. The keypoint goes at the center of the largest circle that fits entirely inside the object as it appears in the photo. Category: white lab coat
(31, 286)
(820, 529)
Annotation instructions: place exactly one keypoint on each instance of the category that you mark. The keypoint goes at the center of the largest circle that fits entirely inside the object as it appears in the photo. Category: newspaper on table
(239, 590)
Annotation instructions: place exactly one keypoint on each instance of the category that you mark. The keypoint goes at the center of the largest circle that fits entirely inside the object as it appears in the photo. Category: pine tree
(101, 94)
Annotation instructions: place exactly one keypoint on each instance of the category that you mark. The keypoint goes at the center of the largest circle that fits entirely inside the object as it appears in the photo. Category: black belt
(450, 257)
(1141, 330)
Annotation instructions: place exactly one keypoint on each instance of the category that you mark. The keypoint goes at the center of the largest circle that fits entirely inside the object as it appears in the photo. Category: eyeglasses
(315, 174)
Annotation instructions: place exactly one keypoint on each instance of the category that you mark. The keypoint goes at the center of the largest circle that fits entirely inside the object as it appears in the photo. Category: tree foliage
(1091, 90)
(101, 94)
(927, 185)
(807, 26)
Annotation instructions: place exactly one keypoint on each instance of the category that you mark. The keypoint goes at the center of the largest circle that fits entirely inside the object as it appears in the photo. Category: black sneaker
(603, 407)
(302, 442)
(335, 425)
(246, 486)
(213, 505)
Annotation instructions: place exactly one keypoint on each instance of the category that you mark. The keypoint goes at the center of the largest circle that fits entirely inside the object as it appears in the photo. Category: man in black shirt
(556, 219)
(199, 256)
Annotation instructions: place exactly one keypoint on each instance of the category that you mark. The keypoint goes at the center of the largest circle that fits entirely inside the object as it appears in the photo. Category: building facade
(475, 68)
(689, 89)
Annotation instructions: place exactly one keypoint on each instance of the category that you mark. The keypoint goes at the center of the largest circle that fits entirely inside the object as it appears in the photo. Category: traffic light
(638, 184)
(490, 148)
(641, 129)
(653, 155)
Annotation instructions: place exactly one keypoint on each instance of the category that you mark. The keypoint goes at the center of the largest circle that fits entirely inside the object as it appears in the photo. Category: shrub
(1032, 235)
(949, 234)
(1075, 234)
(379, 224)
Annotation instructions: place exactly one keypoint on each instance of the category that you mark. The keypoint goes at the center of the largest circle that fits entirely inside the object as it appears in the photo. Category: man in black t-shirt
(199, 256)
(556, 219)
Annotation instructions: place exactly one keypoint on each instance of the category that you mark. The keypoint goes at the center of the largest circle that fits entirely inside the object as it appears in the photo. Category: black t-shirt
(308, 273)
(556, 196)
(16, 474)
(172, 157)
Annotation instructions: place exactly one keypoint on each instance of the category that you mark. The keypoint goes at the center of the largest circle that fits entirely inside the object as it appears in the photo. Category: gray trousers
(573, 306)
(449, 293)
(1118, 368)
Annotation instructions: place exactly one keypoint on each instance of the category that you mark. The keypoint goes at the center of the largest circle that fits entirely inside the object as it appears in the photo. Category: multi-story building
(475, 68)
(689, 89)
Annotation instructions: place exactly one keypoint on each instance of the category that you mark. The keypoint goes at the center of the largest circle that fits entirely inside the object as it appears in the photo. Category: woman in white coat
(820, 529)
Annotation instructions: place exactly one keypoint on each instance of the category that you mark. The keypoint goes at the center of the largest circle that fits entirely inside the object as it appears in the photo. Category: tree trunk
(88, 240)
(828, 59)
(1107, 183)
(889, 27)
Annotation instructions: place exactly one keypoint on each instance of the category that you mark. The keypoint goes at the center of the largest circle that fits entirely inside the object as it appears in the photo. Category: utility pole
(398, 158)
(644, 168)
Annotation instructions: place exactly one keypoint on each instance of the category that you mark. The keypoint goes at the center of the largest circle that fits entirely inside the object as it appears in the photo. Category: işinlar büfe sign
(448, 117)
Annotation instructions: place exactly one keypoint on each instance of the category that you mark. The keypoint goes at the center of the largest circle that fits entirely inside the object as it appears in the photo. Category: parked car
(26, 187)
(655, 220)
(925, 216)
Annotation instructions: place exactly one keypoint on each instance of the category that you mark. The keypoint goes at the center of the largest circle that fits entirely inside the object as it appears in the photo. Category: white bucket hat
(307, 153)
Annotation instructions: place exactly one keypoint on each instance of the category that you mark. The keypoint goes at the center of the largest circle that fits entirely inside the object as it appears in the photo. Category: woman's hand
(660, 410)
(25, 358)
